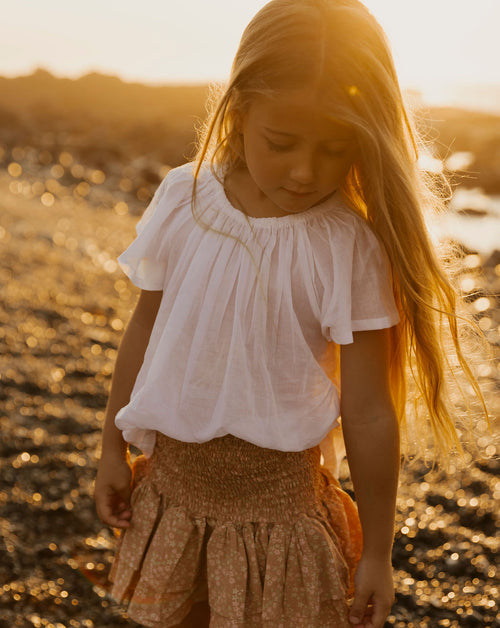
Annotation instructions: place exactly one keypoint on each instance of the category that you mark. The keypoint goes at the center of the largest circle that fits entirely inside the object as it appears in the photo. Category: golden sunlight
(439, 44)
(80, 160)
(435, 42)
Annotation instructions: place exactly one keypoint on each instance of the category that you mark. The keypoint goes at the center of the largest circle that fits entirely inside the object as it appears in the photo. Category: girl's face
(295, 154)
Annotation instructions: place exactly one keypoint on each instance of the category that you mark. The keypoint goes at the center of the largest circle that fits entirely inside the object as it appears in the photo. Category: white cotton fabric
(241, 352)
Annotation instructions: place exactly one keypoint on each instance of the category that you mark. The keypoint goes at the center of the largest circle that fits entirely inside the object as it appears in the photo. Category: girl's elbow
(369, 414)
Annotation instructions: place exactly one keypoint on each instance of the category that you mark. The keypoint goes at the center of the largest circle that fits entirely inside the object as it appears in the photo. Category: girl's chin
(293, 203)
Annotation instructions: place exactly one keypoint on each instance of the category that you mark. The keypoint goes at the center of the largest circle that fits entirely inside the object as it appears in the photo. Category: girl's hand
(373, 593)
(112, 492)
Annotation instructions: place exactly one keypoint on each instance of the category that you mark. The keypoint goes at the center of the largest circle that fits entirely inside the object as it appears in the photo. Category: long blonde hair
(337, 48)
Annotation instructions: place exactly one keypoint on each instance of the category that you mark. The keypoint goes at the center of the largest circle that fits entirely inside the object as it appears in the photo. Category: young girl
(286, 279)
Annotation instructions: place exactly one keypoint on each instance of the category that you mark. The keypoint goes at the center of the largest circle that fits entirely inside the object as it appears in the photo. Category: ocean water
(477, 228)
(472, 217)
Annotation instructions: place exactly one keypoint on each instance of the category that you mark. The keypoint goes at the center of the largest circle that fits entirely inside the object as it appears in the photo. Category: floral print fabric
(267, 537)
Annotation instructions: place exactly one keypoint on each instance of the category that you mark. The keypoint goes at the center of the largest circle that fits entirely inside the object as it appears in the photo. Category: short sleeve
(145, 260)
(362, 297)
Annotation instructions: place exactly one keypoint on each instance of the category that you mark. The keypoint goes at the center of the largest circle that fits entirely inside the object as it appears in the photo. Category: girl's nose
(302, 169)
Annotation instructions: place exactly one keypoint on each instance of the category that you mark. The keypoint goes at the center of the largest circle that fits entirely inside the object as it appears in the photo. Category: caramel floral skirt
(267, 537)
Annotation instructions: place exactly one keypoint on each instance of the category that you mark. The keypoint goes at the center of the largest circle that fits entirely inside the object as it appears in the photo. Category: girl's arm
(112, 487)
(371, 437)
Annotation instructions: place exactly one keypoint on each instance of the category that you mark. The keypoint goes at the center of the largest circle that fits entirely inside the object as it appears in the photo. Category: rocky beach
(71, 189)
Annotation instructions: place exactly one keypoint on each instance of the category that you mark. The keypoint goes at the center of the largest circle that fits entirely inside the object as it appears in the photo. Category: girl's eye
(279, 148)
(338, 152)
(335, 152)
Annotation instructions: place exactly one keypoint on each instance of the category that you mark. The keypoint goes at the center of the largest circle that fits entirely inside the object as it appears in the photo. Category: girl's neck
(245, 196)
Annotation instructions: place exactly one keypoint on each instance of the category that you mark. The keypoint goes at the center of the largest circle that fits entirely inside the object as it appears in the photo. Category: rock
(473, 212)
(493, 260)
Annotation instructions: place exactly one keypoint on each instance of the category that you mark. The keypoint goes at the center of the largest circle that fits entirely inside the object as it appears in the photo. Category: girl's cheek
(276, 163)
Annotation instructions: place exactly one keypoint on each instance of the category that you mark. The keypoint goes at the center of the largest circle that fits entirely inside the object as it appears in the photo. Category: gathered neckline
(225, 207)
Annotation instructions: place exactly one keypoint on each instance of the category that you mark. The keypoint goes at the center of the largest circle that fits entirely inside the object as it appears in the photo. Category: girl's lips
(298, 194)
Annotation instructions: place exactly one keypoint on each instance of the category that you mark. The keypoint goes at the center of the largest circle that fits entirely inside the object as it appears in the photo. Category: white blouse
(246, 337)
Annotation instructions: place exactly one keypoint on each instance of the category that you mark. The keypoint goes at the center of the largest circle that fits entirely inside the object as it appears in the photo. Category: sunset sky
(435, 42)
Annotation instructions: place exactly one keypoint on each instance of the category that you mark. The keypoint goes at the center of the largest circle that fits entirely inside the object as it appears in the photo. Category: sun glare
(444, 42)
(435, 42)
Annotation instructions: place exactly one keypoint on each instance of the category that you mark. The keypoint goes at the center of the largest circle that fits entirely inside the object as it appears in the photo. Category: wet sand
(64, 304)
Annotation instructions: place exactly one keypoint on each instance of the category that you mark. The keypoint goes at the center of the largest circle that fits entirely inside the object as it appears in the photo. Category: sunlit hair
(337, 49)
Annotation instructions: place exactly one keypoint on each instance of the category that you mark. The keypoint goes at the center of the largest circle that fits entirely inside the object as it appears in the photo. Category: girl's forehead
(296, 111)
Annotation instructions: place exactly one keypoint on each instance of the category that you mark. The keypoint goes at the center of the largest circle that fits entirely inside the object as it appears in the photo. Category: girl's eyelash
(279, 148)
(336, 152)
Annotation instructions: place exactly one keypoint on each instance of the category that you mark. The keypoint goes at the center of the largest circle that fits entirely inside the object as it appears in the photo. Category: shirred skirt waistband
(231, 479)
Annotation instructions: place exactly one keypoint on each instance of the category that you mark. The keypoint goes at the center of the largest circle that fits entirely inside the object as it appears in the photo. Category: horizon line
(202, 82)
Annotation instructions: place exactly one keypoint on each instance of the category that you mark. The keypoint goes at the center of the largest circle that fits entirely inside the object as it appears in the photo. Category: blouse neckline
(225, 207)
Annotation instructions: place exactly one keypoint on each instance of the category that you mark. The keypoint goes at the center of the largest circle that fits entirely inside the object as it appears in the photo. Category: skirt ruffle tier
(267, 537)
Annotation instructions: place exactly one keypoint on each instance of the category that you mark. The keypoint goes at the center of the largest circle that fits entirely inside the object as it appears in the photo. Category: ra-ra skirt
(267, 537)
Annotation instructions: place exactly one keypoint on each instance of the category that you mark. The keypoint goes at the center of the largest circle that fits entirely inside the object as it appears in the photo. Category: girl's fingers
(113, 510)
(116, 520)
(380, 612)
(359, 609)
(120, 522)
(374, 616)
(119, 509)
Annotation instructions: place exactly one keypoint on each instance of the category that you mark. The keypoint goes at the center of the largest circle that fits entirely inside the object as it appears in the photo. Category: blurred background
(97, 101)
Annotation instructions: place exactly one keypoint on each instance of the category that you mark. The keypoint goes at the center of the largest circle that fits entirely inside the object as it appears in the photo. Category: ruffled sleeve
(145, 260)
(361, 297)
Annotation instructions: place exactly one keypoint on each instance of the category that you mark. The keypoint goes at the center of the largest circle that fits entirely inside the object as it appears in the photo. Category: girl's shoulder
(351, 238)
(186, 173)
(345, 220)
(181, 179)
(180, 175)
(174, 191)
